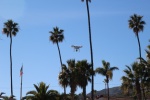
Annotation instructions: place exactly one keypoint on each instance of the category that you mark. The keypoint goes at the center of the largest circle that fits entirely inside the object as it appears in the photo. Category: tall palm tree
(10, 29)
(91, 49)
(56, 37)
(84, 73)
(137, 24)
(41, 93)
(106, 71)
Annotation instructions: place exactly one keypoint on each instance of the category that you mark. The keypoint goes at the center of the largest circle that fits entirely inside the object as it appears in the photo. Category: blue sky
(112, 40)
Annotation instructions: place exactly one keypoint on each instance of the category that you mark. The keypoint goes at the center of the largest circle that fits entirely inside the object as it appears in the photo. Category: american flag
(21, 71)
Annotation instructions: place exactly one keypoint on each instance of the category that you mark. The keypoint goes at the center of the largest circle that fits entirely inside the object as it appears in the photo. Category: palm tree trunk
(139, 47)
(139, 88)
(84, 92)
(61, 65)
(143, 85)
(11, 65)
(107, 88)
(59, 55)
(72, 94)
(144, 97)
(90, 39)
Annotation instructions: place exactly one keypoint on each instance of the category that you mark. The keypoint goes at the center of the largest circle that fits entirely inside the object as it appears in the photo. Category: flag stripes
(21, 71)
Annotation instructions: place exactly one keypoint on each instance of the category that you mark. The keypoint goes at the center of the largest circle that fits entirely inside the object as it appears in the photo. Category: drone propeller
(76, 48)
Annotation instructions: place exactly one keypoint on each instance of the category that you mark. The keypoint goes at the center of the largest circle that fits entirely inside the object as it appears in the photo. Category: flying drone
(76, 48)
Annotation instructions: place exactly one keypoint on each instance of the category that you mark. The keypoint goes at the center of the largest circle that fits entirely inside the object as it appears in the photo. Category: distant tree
(106, 71)
(10, 29)
(90, 39)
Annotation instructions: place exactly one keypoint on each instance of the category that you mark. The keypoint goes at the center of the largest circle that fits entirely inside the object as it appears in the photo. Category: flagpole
(21, 89)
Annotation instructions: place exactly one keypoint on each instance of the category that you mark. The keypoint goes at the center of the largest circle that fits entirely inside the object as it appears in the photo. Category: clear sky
(112, 40)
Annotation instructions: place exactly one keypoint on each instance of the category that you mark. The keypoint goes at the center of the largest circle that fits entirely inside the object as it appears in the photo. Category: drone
(76, 48)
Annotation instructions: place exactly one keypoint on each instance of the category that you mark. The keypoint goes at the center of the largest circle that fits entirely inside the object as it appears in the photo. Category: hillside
(114, 91)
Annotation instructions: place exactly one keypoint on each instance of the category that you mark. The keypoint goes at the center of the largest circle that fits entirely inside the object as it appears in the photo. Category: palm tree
(137, 24)
(133, 76)
(67, 97)
(10, 29)
(72, 76)
(41, 93)
(106, 71)
(56, 37)
(8, 98)
(105, 86)
(146, 79)
(128, 81)
(84, 73)
(1, 93)
(54, 95)
(69, 76)
(91, 50)
(63, 78)
(145, 73)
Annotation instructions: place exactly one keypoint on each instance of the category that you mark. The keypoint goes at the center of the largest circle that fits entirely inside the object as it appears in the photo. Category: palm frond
(136, 23)
(101, 71)
(31, 92)
(114, 68)
(109, 74)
